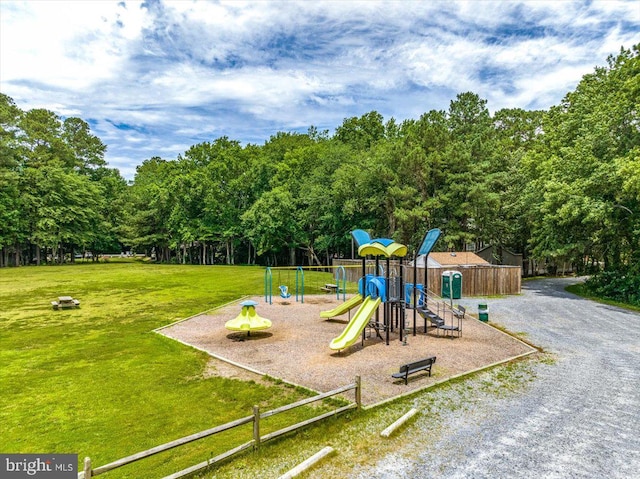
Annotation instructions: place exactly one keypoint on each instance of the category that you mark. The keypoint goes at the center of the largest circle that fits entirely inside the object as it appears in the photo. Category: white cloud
(156, 78)
(66, 44)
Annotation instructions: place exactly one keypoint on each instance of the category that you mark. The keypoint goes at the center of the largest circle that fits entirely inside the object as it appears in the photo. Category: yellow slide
(356, 325)
(342, 308)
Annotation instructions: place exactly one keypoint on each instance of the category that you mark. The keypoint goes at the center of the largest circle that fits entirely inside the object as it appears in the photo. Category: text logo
(38, 466)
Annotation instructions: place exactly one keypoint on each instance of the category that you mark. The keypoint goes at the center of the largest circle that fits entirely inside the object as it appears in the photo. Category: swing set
(284, 289)
(285, 293)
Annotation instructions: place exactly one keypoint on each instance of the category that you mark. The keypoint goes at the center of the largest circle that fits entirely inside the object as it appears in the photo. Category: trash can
(451, 285)
(483, 312)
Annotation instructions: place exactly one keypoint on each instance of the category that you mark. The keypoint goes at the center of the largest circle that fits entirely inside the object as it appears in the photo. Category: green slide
(342, 308)
(356, 325)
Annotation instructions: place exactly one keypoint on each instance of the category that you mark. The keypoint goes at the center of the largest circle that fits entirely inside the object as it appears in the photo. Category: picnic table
(332, 288)
(65, 302)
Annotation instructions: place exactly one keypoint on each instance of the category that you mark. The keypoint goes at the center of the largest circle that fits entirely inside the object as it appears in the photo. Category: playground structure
(374, 288)
(352, 332)
(296, 348)
(395, 296)
(345, 307)
(295, 351)
(248, 320)
(384, 296)
(301, 348)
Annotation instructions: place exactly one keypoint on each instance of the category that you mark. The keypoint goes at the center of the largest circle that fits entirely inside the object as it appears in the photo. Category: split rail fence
(255, 442)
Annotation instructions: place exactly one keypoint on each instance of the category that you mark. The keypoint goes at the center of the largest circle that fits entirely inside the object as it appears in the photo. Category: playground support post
(364, 286)
(387, 319)
(401, 299)
(377, 310)
(415, 287)
(426, 279)
(268, 285)
(344, 283)
(300, 283)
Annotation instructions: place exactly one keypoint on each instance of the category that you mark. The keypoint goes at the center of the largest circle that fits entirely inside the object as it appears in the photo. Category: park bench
(410, 368)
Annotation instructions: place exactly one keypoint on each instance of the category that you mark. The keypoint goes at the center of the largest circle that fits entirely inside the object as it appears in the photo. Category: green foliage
(559, 186)
(361, 133)
(621, 285)
(581, 174)
(56, 194)
(270, 223)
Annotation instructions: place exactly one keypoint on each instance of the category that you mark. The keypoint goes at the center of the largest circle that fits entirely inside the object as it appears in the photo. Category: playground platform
(296, 349)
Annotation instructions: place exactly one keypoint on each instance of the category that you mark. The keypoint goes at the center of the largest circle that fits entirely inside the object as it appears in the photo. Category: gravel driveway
(580, 418)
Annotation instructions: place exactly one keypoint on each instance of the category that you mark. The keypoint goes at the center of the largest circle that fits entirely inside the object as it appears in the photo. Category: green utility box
(483, 312)
(451, 284)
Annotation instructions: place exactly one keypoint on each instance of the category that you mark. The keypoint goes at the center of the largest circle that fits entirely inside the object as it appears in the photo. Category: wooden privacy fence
(477, 280)
(255, 442)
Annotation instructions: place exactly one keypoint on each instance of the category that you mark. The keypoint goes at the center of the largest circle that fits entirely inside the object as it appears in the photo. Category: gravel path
(580, 418)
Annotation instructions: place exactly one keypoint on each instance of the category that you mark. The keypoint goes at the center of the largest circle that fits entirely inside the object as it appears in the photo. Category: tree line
(561, 185)
(57, 195)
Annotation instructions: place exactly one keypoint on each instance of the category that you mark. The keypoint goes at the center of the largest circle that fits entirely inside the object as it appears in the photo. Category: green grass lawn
(98, 382)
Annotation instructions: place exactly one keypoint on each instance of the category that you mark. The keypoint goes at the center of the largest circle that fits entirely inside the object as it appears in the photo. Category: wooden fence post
(358, 392)
(256, 426)
(87, 468)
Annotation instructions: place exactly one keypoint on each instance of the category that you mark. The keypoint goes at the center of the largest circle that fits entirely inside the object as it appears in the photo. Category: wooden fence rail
(477, 280)
(254, 442)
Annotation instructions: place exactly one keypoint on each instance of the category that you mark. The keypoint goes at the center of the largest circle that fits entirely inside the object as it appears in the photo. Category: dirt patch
(296, 348)
(220, 368)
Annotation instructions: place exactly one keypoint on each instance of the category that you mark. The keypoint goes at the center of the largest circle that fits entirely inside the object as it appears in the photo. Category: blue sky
(155, 77)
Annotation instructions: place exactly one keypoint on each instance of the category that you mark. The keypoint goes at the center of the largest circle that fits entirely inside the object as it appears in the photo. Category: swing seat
(284, 292)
